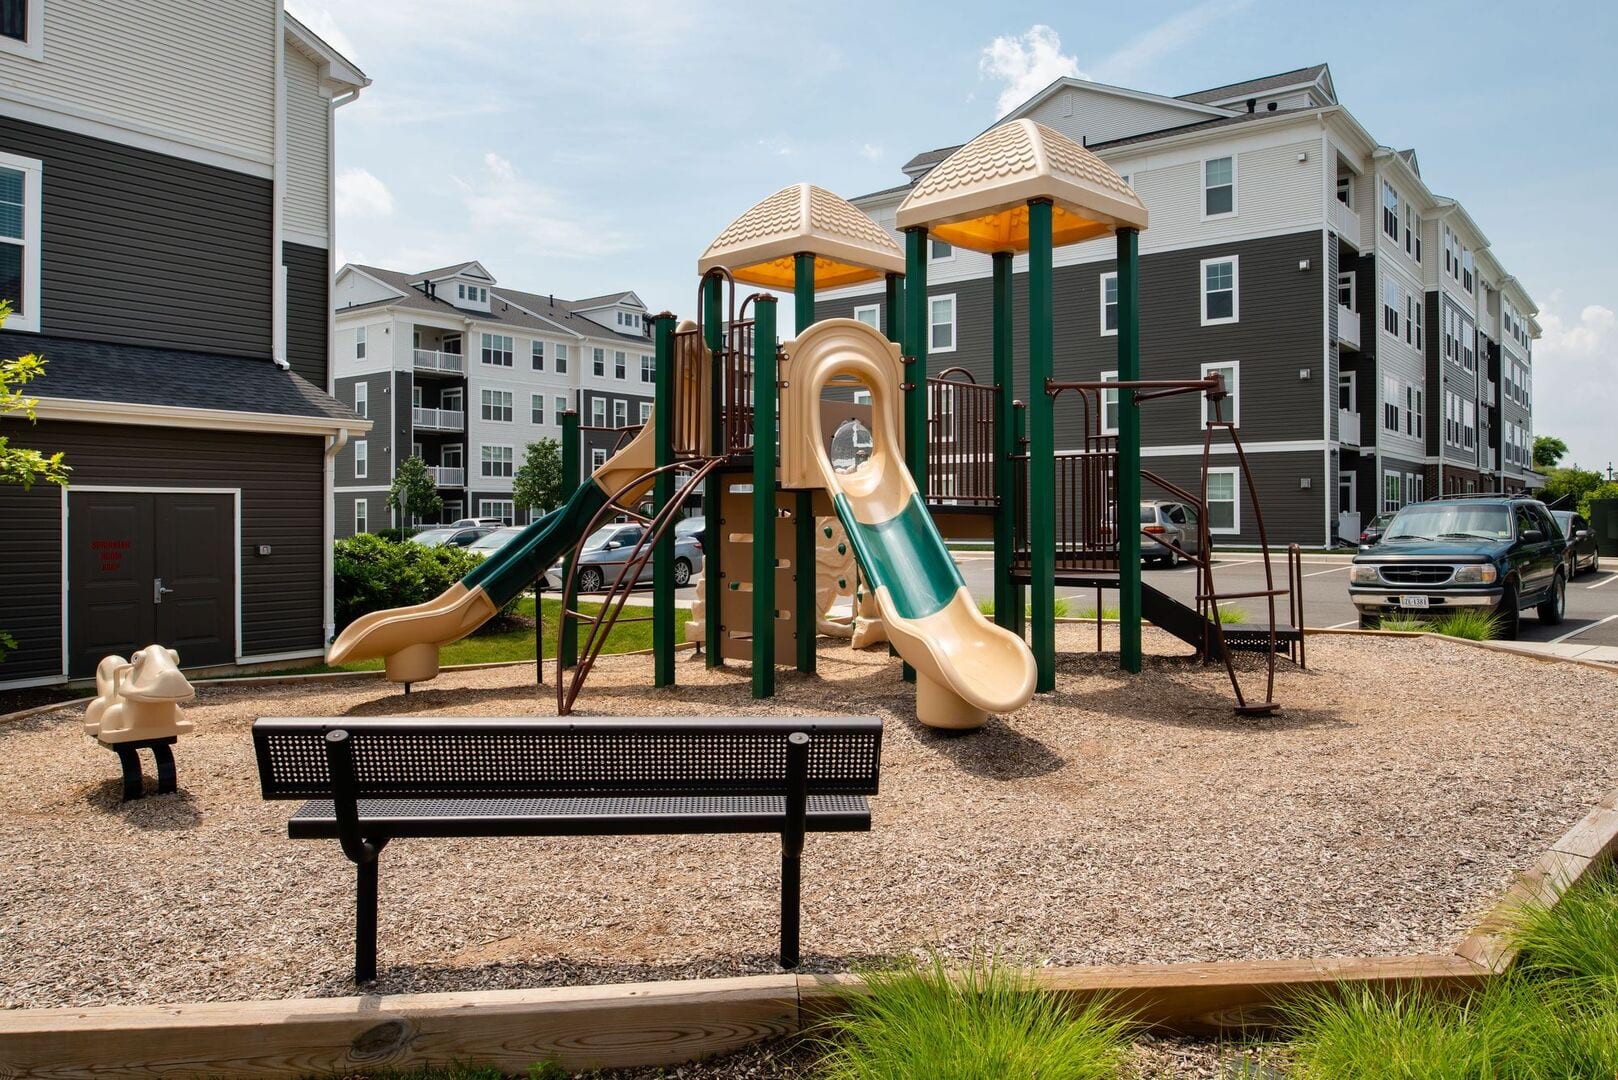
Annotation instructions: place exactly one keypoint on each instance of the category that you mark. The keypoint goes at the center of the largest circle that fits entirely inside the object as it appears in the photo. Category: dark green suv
(1502, 553)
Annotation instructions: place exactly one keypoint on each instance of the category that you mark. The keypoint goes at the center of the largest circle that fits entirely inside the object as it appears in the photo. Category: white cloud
(1026, 63)
(1166, 37)
(871, 152)
(502, 201)
(361, 195)
(1576, 381)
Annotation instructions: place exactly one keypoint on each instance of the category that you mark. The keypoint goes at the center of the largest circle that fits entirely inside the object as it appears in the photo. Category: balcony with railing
(447, 476)
(1348, 327)
(1347, 223)
(438, 419)
(440, 362)
(1348, 427)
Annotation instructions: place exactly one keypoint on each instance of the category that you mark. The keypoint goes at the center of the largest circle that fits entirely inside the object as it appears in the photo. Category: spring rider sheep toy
(137, 706)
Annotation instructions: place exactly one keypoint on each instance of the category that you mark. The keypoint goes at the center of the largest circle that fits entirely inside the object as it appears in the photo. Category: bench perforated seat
(369, 781)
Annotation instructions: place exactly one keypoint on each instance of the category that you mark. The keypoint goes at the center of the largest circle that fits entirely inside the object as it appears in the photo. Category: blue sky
(582, 147)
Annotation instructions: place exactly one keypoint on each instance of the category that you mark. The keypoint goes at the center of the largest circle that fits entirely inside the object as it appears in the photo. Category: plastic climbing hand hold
(842, 548)
(842, 583)
(735, 586)
(827, 531)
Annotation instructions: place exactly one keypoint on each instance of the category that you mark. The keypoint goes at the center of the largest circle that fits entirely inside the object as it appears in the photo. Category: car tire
(1507, 615)
(1595, 563)
(1370, 622)
(1555, 606)
(590, 580)
(682, 573)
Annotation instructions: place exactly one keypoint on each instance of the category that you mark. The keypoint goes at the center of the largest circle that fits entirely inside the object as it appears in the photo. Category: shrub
(370, 574)
(1469, 623)
(985, 1021)
(1231, 615)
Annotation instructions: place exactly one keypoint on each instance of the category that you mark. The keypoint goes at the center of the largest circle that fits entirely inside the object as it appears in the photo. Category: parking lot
(1592, 599)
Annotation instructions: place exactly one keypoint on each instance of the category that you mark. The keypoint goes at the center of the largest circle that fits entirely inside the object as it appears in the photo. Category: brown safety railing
(687, 406)
(960, 440)
(738, 393)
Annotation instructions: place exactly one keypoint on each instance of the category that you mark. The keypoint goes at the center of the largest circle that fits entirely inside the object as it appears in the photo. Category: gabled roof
(1409, 157)
(465, 269)
(927, 159)
(591, 303)
(1070, 82)
(1300, 77)
(334, 65)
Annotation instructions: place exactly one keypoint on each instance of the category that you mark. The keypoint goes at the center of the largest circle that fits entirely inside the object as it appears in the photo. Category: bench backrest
(435, 757)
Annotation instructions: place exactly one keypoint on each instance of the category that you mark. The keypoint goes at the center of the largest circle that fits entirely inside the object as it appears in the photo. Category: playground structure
(749, 423)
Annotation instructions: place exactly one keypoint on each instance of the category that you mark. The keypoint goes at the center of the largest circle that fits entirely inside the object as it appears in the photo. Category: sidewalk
(1601, 654)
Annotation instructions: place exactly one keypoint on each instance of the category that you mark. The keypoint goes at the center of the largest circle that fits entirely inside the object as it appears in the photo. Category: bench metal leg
(791, 866)
(797, 776)
(365, 921)
(129, 761)
(163, 757)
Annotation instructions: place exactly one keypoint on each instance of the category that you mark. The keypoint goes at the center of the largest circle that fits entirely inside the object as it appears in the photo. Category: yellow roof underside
(1007, 230)
(782, 273)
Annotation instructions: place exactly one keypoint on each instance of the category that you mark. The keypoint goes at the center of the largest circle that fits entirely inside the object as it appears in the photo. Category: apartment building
(165, 236)
(463, 373)
(1359, 320)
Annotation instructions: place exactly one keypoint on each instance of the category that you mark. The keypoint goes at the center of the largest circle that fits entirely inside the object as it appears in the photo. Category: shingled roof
(1255, 87)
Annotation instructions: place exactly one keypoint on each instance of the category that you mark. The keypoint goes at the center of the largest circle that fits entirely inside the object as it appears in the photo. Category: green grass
(1062, 606)
(1232, 614)
(1470, 623)
(1405, 625)
(983, 1022)
(1576, 942)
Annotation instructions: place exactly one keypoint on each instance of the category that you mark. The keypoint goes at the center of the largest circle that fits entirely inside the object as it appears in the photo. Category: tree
(17, 464)
(413, 490)
(538, 483)
(1570, 488)
(1548, 451)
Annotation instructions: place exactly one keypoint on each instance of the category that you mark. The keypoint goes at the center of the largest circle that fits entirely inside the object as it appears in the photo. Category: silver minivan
(1172, 521)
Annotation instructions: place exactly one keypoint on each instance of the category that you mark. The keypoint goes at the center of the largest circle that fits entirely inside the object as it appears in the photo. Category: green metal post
(803, 506)
(1004, 473)
(662, 495)
(713, 578)
(914, 347)
(1041, 447)
(764, 459)
(567, 628)
(1128, 451)
(893, 315)
(1019, 521)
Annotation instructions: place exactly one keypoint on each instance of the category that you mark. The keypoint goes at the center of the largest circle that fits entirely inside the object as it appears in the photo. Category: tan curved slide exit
(966, 666)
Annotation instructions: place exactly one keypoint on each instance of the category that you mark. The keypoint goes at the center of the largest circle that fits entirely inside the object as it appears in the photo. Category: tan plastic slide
(966, 666)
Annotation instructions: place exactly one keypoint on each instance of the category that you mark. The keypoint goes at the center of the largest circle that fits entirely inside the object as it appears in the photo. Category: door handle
(158, 590)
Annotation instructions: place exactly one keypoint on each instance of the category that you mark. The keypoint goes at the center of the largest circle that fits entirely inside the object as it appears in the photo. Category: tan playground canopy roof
(759, 246)
(977, 198)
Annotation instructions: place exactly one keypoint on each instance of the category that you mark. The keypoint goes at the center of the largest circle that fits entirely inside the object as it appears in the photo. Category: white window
(1420, 332)
(648, 369)
(537, 408)
(598, 358)
(1218, 187)
(1231, 372)
(645, 412)
(497, 406)
(1224, 501)
(359, 343)
(1109, 405)
(1390, 403)
(1392, 493)
(1392, 299)
(1346, 291)
(1109, 305)
(496, 461)
(362, 515)
(942, 324)
(362, 399)
(598, 457)
(504, 509)
(1469, 424)
(620, 367)
(1466, 269)
(497, 350)
(19, 239)
(1390, 211)
(538, 355)
(22, 28)
(558, 407)
(362, 459)
(598, 412)
(870, 315)
(620, 413)
(561, 359)
(941, 251)
(1219, 291)
(1345, 189)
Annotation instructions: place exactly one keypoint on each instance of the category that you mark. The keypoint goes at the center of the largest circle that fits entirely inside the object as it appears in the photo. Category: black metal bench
(369, 781)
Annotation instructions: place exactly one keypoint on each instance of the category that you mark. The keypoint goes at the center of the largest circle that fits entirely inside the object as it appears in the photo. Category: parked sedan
(494, 541)
(1582, 554)
(451, 537)
(1371, 535)
(607, 551)
(1165, 523)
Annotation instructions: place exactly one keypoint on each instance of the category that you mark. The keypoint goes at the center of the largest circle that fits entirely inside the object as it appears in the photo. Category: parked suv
(1502, 553)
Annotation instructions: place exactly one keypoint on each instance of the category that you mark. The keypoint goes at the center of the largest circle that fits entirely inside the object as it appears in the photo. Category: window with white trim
(1468, 345)
(1469, 424)
(620, 367)
(497, 406)
(22, 28)
(941, 324)
(1218, 187)
(536, 409)
(1466, 268)
(1418, 413)
(359, 343)
(1109, 305)
(558, 407)
(561, 359)
(941, 251)
(536, 355)
(870, 315)
(645, 413)
(1231, 372)
(1420, 330)
(20, 180)
(1390, 403)
(1392, 491)
(598, 457)
(1219, 291)
(598, 412)
(1224, 501)
(362, 399)
(362, 515)
(620, 413)
(504, 509)
(362, 459)
(1392, 297)
(648, 369)
(1345, 291)
(497, 350)
(1410, 318)
(1390, 211)
(598, 362)
(1109, 405)
(496, 462)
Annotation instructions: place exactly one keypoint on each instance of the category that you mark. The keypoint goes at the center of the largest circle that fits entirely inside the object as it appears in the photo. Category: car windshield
(1432, 521)
(494, 541)
(433, 536)
(599, 538)
(1564, 521)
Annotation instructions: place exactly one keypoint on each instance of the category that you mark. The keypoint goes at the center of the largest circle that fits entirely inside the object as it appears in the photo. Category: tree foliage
(1548, 451)
(1573, 488)
(538, 483)
(19, 465)
(413, 490)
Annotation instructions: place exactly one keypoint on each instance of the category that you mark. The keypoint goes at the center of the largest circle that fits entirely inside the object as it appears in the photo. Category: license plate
(1413, 601)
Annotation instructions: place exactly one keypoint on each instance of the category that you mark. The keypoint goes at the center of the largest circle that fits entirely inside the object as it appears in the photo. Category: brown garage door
(151, 567)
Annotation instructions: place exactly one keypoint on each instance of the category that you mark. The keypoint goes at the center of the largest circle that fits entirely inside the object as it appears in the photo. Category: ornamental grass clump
(1469, 623)
(984, 1021)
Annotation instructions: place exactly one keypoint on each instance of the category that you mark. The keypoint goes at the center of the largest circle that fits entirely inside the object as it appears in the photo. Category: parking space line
(1344, 625)
(1333, 570)
(1582, 629)
(1602, 582)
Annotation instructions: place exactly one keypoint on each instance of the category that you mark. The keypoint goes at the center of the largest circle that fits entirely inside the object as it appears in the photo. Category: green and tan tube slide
(966, 666)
